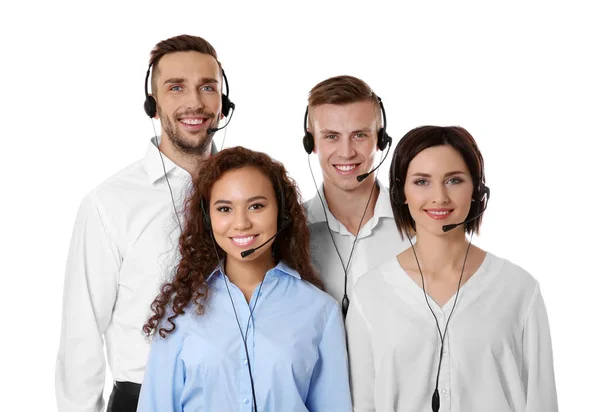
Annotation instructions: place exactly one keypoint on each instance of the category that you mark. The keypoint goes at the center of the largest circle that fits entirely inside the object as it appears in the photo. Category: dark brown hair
(342, 90)
(413, 143)
(198, 258)
(180, 43)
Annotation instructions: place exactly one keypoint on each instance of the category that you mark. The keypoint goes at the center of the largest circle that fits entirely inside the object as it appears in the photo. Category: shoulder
(510, 272)
(378, 278)
(120, 183)
(183, 324)
(124, 180)
(314, 210)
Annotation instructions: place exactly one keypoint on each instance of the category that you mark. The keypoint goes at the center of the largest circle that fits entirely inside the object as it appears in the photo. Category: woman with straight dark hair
(446, 325)
(244, 324)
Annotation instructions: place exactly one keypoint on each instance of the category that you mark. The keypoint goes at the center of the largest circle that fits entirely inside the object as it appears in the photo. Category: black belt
(130, 388)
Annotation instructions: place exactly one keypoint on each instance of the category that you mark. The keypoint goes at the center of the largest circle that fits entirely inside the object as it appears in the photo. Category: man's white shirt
(124, 245)
(378, 241)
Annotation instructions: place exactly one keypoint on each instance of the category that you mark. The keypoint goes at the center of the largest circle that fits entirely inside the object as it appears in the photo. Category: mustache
(198, 112)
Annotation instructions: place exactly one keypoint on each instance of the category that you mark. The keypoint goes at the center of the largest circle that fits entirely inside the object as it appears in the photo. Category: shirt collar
(281, 268)
(154, 165)
(315, 213)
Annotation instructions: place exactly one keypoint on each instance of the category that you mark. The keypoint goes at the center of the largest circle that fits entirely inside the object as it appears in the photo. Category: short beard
(179, 141)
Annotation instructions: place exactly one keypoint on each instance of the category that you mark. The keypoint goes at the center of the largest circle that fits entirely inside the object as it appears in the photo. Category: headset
(283, 220)
(383, 140)
(481, 195)
(150, 102)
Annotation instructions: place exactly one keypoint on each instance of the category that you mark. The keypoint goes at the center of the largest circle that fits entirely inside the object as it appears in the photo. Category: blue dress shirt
(296, 345)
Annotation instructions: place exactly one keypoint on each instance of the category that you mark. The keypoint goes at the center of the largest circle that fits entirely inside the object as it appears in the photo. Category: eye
(224, 209)
(455, 180)
(360, 135)
(256, 206)
(421, 182)
(330, 136)
(207, 88)
(176, 88)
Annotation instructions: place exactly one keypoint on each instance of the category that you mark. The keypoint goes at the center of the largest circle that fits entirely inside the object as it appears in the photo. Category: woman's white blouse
(497, 354)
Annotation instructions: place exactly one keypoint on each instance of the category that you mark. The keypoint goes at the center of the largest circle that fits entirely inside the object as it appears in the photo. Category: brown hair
(180, 43)
(196, 247)
(413, 143)
(342, 90)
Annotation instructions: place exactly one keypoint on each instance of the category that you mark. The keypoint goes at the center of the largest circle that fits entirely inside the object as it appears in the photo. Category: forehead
(344, 116)
(438, 160)
(189, 65)
(242, 183)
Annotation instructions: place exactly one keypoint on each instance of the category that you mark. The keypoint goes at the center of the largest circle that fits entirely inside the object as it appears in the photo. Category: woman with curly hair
(244, 324)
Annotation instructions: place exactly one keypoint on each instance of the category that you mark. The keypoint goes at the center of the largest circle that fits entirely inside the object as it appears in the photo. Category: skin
(346, 137)
(188, 95)
(439, 191)
(243, 212)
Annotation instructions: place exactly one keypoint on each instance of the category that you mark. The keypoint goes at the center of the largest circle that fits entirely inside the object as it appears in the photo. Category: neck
(188, 162)
(440, 256)
(246, 275)
(348, 207)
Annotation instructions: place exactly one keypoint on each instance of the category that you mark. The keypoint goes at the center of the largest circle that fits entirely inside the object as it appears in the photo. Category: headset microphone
(213, 130)
(486, 195)
(248, 252)
(362, 177)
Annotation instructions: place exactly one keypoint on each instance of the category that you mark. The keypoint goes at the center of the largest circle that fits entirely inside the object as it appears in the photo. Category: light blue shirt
(296, 345)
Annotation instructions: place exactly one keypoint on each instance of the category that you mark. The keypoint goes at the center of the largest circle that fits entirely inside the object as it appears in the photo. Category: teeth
(438, 213)
(192, 121)
(242, 240)
(345, 168)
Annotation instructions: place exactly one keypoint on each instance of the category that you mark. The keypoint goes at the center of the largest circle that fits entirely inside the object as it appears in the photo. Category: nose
(241, 221)
(346, 148)
(440, 194)
(195, 99)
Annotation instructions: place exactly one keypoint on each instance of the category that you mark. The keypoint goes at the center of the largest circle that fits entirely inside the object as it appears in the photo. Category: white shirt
(497, 351)
(123, 247)
(378, 241)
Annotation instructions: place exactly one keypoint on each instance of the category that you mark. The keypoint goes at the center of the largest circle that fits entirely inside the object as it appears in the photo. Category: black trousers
(124, 397)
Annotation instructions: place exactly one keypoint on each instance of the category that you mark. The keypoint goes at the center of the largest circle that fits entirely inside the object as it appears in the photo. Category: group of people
(214, 287)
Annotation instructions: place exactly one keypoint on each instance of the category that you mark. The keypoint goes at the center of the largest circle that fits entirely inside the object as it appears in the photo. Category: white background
(522, 77)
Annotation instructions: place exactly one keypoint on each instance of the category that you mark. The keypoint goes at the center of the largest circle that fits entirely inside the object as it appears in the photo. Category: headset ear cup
(226, 105)
(394, 195)
(383, 139)
(205, 217)
(150, 106)
(309, 142)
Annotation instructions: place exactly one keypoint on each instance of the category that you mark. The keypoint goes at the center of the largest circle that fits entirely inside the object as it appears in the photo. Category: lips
(346, 169)
(439, 214)
(243, 240)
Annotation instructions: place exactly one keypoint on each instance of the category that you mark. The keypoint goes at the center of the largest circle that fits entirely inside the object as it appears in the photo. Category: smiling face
(438, 189)
(345, 141)
(187, 88)
(243, 213)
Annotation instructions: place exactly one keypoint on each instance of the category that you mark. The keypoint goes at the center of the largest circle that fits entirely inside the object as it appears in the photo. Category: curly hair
(196, 247)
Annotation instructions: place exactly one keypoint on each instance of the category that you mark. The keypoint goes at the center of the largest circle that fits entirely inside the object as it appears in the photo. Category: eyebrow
(249, 200)
(363, 130)
(203, 80)
(456, 172)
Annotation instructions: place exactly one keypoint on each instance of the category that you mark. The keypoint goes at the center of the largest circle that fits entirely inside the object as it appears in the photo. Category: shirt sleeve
(90, 290)
(360, 351)
(164, 376)
(538, 369)
(329, 387)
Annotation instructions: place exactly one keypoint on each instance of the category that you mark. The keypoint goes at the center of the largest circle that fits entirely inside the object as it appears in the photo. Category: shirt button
(246, 400)
(245, 361)
(445, 392)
